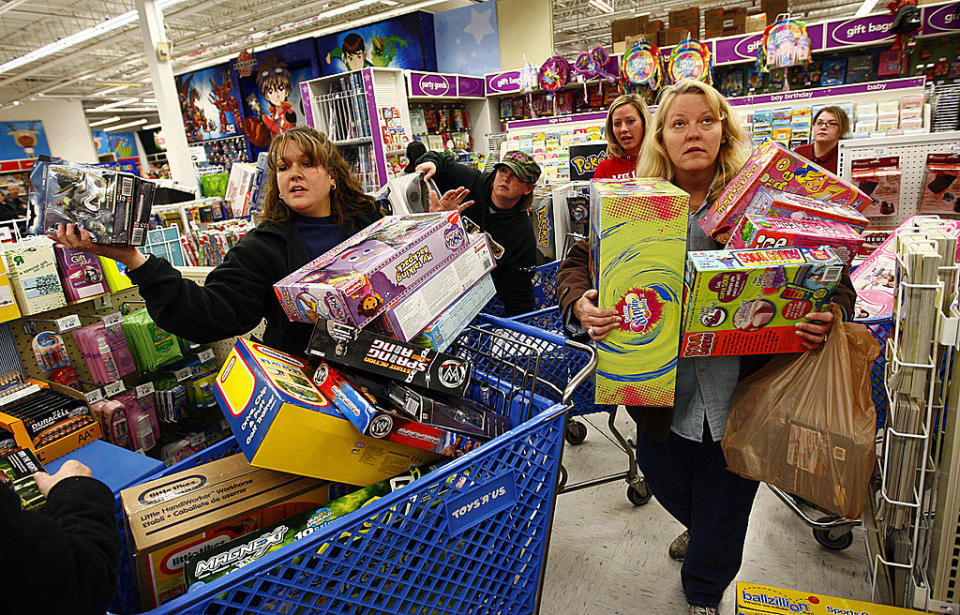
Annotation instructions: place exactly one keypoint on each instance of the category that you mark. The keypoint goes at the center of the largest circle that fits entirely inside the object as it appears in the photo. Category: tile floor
(608, 557)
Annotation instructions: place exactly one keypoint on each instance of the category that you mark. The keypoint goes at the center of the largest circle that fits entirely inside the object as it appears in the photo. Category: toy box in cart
(753, 599)
(748, 301)
(283, 422)
(777, 167)
(769, 232)
(360, 278)
(638, 234)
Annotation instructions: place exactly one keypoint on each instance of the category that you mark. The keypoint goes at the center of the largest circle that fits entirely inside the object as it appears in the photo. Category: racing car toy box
(748, 301)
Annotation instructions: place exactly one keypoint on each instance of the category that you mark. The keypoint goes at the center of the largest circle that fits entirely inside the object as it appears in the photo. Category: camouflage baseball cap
(522, 164)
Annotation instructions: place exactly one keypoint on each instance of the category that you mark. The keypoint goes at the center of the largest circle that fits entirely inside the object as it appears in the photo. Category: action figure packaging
(80, 195)
(442, 330)
(17, 468)
(283, 422)
(80, 274)
(777, 167)
(172, 518)
(638, 271)
(380, 355)
(747, 301)
(143, 206)
(762, 232)
(359, 279)
(49, 419)
(880, 178)
(457, 414)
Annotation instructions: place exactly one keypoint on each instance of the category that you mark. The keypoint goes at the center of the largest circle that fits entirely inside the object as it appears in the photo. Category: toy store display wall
(64, 125)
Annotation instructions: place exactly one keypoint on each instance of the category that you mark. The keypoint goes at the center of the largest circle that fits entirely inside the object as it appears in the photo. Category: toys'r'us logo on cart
(452, 373)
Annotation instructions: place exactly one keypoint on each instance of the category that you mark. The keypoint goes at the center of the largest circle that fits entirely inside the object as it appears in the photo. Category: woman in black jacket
(312, 203)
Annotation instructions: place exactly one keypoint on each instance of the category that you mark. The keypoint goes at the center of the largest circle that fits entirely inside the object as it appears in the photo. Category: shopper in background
(415, 149)
(502, 198)
(63, 558)
(830, 124)
(627, 121)
(312, 203)
(697, 145)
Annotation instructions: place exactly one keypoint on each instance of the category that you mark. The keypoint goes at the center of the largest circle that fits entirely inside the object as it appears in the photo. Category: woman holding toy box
(627, 120)
(312, 203)
(695, 142)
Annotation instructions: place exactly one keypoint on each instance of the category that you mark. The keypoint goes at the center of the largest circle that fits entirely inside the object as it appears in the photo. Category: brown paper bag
(806, 422)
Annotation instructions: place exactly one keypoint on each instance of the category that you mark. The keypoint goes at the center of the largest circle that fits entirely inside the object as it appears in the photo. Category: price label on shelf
(93, 396)
(111, 320)
(206, 355)
(115, 388)
(183, 373)
(68, 322)
(145, 389)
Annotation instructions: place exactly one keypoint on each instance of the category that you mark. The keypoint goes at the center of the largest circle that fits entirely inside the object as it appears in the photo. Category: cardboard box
(283, 422)
(444, 329)
(753, 599)
(175, 517)
(757, 232)
(9, 310)
(33, 275)
(748, 301)
(622, 28)
(405, 320)
(380, 355)
(775, 166)
(356, 281)
(724, 22)
(638, 271)
(684, 21)
(778, 204)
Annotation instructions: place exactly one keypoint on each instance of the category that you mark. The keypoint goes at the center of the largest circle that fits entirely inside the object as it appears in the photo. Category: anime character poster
(209, 102)
(270, 90)
(19, 140)
(403, 42)
(120, 144)
(467, 41)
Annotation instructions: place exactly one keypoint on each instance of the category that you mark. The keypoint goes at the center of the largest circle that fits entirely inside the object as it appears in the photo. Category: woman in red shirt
(830, 124)
(627, 120)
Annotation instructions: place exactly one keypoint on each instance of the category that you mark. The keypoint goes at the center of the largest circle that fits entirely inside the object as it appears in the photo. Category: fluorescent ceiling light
(865, 8)
(151, 126)
(127, 125)
(389, 2)
(106, 121)
(119, 103)
(150, 101)
(600, 5)
(76, 38)
(109, 90)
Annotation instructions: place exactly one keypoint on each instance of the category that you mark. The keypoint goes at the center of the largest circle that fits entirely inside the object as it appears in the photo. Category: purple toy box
(365, 275)
(81, 274)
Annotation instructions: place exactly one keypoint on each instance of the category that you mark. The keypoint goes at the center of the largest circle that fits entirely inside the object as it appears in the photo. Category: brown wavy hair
(346, 201)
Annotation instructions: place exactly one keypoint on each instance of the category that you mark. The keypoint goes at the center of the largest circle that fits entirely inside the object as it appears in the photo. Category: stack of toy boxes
(771, 232)
(638, 270)
(776, 167)
(748, 301)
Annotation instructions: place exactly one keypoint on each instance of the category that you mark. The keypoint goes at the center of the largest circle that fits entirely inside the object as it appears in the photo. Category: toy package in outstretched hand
(748, 301)
(80, 195)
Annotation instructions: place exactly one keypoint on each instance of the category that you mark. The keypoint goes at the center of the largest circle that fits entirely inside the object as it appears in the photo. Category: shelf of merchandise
(425, 88)
(548, 140)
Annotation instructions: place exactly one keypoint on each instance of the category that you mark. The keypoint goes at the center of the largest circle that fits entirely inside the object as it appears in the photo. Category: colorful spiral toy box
(638, 235)
(748, 301)
(776, 167)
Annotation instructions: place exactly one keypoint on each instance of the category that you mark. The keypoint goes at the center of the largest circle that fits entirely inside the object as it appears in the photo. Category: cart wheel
(831, 540)
(639, 494)
(576, 433)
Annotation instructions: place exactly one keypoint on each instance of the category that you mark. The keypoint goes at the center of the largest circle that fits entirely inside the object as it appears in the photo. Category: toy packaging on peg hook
(784, 43)
(690, 60)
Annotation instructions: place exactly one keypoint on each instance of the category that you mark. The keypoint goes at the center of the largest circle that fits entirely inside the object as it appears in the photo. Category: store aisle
(608, 557)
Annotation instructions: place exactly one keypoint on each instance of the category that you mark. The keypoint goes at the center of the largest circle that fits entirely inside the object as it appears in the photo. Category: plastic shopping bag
(806, 422)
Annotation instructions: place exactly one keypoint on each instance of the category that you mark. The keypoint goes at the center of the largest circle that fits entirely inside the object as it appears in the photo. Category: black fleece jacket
(63, 558)
(238, 293)
(511, 228)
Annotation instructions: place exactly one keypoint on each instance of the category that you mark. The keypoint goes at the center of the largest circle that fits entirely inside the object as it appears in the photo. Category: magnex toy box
(382, 356)
(754, 599)
(638, 234)
(283, 422)
(761, 232)
(442, 330)
(359, 279)
(775, 166)
(780, 204)
(748, 301)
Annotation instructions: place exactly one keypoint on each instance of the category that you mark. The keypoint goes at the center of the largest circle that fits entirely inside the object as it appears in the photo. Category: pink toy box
(779, 204)
(365, 275)
(81, 274)
(757, 232)
(776, 167)
(748, 301)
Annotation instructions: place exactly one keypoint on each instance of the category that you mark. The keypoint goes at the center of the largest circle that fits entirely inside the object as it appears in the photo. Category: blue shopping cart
(470, 537)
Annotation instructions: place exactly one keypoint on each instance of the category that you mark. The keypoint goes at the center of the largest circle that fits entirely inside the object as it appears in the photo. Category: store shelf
(361, 141)
(395, 151)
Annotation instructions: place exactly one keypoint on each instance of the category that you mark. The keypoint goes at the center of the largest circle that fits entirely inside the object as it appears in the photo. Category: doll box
(360, 278)
(748, 301)
(638, 234)
(283, 422)
(777, 167)
(762, 232)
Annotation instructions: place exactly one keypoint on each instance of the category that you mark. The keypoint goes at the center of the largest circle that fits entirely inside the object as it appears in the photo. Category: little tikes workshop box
(780, 204)
(753, 599)
(761, 232)
(359, 279)
(777, 167)
(283, 422)
(172, 518)
(748, 301)
(638, 235)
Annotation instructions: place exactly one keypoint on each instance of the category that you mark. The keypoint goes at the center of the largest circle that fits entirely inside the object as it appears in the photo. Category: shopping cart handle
(583, 374)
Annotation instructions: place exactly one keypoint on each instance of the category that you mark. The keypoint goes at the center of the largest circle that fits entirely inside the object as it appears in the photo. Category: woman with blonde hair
(312, 203)
(627, 121)
(697, 144)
